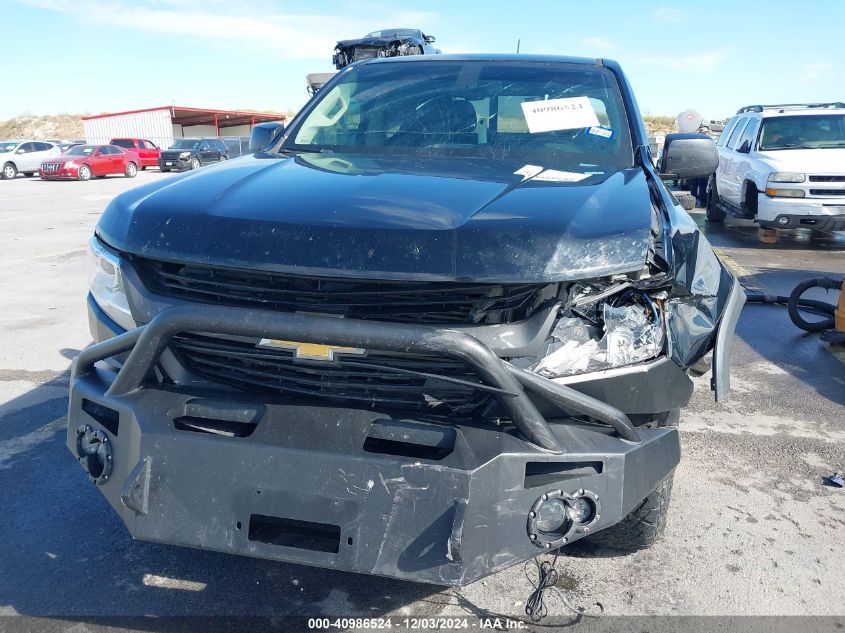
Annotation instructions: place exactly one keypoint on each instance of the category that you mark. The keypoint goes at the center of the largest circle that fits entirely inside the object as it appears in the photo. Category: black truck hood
(387, 218)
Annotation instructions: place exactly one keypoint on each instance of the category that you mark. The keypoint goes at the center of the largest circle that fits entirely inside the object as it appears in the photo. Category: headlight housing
(105, 282)
(185, 155)
(619, 330)
(70, 164)
(786, 176)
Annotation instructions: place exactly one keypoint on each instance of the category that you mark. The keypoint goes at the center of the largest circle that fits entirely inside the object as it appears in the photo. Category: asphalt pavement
(752, 530)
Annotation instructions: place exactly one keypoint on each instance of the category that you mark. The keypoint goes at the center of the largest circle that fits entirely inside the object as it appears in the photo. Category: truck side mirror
(263, 135)
(688, 156)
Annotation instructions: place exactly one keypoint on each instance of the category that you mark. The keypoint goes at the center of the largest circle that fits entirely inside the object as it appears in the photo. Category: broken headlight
(617, 330)
(106, 283)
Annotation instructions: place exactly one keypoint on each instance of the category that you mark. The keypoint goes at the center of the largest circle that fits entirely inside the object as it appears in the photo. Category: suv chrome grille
(375, 381)
(394, 301)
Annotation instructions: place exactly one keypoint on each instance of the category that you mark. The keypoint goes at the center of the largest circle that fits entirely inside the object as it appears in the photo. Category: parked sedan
(84, 161)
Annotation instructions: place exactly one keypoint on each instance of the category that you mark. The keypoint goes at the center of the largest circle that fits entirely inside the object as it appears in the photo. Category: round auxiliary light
(551, 516)
(556, 518)
(783, 220)
(580, 510)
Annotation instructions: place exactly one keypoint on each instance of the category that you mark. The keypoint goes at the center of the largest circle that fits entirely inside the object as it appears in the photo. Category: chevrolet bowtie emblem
(312, 351)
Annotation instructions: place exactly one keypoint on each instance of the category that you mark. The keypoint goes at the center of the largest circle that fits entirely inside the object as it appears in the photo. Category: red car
(83, 161)
(147, 150)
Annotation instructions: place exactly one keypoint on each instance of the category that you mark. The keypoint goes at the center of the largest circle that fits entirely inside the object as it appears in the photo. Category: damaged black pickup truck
(443, 322)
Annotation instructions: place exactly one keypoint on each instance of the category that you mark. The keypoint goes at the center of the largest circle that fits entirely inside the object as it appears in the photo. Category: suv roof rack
(789, 106)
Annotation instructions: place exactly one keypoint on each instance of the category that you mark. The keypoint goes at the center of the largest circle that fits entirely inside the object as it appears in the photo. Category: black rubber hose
(794, 303)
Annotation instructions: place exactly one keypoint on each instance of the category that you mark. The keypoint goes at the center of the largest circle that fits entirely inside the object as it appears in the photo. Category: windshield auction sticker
(559, 114)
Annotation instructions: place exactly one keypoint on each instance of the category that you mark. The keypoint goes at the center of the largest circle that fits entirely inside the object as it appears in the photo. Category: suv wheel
(751, 200)
(714, 212)
(195, 163)
(645, 524)
(9, 171)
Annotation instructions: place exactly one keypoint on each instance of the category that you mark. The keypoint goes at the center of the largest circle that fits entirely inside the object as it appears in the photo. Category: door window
(726, 133)
(27, 148)
(737, 132)
(750, 133)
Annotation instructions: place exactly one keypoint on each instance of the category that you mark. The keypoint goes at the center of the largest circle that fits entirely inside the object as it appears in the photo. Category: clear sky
(91, 56)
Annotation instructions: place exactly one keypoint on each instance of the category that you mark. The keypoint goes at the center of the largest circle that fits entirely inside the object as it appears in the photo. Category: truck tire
(715, 213)
(641, 528)
(644, 525)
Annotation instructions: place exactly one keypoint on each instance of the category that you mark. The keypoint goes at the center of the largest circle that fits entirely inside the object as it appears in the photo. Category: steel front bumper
(343, 488)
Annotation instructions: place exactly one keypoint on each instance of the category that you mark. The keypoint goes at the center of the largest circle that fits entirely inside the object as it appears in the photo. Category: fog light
(783, 220)
(580, 510)
(551, 515)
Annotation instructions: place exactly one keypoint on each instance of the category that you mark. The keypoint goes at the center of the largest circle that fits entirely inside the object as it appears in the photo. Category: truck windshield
(803, 132)
(538, 114)
(394, 33)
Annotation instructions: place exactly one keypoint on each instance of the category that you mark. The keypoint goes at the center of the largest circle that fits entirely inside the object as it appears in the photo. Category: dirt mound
(55, 126)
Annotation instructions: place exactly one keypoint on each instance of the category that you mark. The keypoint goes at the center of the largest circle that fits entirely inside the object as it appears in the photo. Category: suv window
(750, 133)
(148, 145)
(726, 133)
(27, 147)
(124, 142)
(43, 147)
(737, 132)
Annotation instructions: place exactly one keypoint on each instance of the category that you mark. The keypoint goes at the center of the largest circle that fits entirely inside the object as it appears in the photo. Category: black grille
(375, 381)
(827, 192)
(827, 178)
(398, 302)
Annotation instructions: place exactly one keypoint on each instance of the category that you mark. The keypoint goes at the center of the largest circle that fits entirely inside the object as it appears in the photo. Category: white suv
(24, 157)
(783, 165)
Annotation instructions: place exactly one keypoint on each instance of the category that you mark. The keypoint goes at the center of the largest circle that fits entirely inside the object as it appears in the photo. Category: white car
(24, 157)
(783, 165)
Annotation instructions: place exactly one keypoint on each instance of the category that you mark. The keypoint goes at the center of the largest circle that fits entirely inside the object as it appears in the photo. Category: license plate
(168, 162)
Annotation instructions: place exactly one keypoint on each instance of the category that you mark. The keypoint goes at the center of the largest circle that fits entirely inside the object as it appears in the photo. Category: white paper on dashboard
(528, 171)
(559, 114)
(553, 175)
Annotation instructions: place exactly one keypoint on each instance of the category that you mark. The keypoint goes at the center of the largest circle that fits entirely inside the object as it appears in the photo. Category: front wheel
(84, 172)
(131, 170)
(195, 163)
(715, 213)
(9, 172)
(643, 526)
